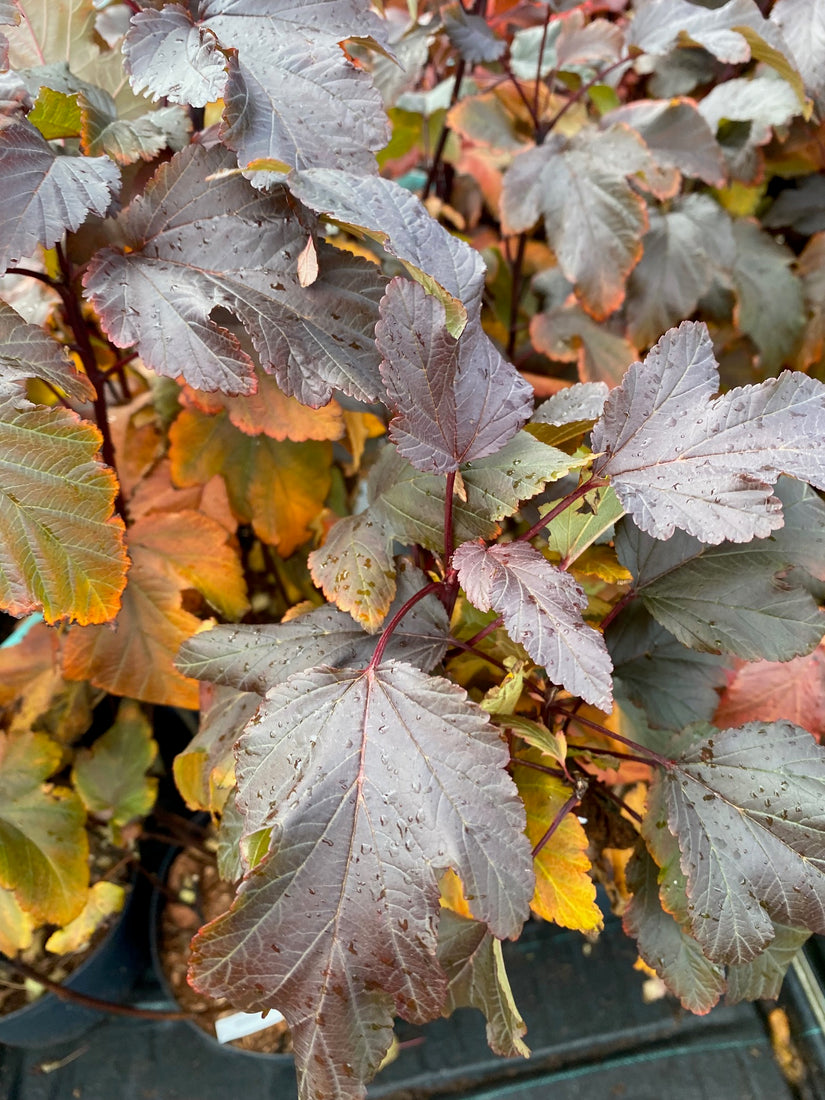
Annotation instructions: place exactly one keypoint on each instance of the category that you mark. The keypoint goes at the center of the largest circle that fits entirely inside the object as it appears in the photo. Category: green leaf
(472, 960)
(111, 776)
(55, 114)
(43, 843)
(355, 569)
(579, 526)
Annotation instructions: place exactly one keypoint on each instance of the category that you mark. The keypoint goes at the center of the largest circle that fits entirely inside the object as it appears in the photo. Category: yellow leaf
(16, 925)
(104, 900)
(278, 487)
(565, 892)
(452, 894)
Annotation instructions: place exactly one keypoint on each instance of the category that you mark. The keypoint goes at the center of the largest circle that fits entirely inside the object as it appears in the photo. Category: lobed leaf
(471, 35)
(802, 24)
(746, 809)
(677, 459)
(374, 783)
(456, 400)
(45, 194)
(768, 690)
(567, 333)
(355, 569)
(127, 140)
(676, 134)
(196, 244)
(283, 101)
(472, 961)
(26, 351)
(257, 658)
(541, 607)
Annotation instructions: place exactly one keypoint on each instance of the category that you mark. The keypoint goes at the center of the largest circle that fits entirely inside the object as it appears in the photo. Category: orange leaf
(565, 892)
(278, 487)
(170, 553)
(270, 412)
(767, 690)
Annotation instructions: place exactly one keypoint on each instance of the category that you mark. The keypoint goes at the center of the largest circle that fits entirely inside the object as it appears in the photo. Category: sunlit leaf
(542, 607)
(362, 829)
(43, 843)
(283, 101)
(60, 191)
(678, 459)
(565, 892)
(476, 978)
(238, 254)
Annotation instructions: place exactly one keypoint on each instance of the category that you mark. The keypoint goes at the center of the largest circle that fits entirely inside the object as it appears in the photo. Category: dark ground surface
(592, 1037)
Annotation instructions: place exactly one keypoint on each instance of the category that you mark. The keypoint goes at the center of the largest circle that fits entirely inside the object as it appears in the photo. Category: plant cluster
(284, 283)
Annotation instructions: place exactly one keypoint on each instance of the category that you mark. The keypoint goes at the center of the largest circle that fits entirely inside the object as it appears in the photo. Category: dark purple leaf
(471, 35)
(45, 194)
(678, 459)
(745, 806)
(801, 207)
(388, 213)
(257, 658)
(471, 959)
(198, 245)
(128, 140)
(373, 784)
(541, 606)
(26, 351)
(290, 93)
(456, 400)
(593, 217)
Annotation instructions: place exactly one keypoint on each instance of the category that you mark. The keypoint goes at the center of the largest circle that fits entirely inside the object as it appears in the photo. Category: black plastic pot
(108, 974)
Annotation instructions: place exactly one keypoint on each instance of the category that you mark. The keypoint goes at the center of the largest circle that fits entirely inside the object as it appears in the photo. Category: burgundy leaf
(373, 783)
(290, 93)
(26, 351)
(457, 400)
(471, 35)
(541, 606)
(746, 807)
(198, 244)
(44, 194)
(676, 134)
(678, 459)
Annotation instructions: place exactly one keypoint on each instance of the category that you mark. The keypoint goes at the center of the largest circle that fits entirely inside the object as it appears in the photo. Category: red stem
(572, 801)
(562, 506)
(383, 641)
(650, 757)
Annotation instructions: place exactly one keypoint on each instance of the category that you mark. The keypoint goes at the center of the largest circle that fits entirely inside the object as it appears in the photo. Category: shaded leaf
(127, 140)
(676, 459)
(16, 925)
(675, 685)
(812, 271)
(257, 658)
(388, 213)
(593, 218)
(26, 351)
(55, 114)
(541, 606)
(205, 771)
(268, 411)
(565, 892)
(60, 191)
(597, 42)
(731, 597)
(355, 569)
(767, 690)
(103, 901)
(802, 23)
(362, 830)
(802, 208)
(571, 335)
(43, 843)
(282, 101)
(676, 134)
(471, 35)
(238, 254)
(456, 400)
(581, 525)
(771, 308)
(746, 809)
(686, 248)
(278, 487)
(664, 945)
(471, 958)
(763, 976)
(111, 776)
